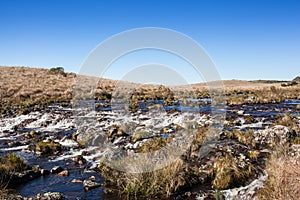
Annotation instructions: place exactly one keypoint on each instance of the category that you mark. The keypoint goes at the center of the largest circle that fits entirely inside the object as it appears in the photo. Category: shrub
(8, 165)
(12, 162)
(58, 70)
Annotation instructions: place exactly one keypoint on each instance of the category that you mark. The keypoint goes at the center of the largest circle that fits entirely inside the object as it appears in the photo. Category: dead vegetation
(284, 176)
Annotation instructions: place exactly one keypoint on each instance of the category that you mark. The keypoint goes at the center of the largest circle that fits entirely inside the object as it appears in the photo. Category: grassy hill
(297, 79)
(25, 87)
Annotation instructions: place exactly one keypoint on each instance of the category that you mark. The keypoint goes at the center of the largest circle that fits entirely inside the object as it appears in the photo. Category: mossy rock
(141, 134)
(47, 148)
(115, 131)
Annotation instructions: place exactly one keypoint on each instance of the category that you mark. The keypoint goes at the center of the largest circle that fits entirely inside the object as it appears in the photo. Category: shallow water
(65, 126)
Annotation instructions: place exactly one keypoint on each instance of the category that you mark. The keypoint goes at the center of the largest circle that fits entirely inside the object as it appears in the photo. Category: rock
(64, 173)
(97, 140)
(240, 112)
(90, 184)
(50, 196)
(76, 181)
(297, 79)
(24, 176)
(276, 135)
(68, 143)
(93, 178)
(56, 170)
(246, 192)
(44, 172)
(79, 159)
(140, 134)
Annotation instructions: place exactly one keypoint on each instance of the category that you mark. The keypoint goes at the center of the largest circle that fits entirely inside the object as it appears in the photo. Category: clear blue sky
(247, 39)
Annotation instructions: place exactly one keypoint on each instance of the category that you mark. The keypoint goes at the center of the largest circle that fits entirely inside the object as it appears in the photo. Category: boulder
(56, 170)
(140, 134)
(276, 135)
(90, 184)
(115, 131)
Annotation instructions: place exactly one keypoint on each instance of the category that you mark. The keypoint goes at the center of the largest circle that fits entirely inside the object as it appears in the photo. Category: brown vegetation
(24, 87)
(163, 182)
(284, 176)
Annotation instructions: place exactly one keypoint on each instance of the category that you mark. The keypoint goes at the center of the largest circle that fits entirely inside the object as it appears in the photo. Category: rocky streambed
(66, 146)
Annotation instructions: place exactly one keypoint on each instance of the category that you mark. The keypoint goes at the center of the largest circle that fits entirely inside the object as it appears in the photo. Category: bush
(292, 83)
(58, 70)
(8, 165)
(12, 162)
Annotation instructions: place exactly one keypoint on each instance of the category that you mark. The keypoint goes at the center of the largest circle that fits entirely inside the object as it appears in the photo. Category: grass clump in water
(163, 182)
(230, 171)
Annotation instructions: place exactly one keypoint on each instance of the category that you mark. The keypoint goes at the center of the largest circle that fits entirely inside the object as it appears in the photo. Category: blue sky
(246, 39)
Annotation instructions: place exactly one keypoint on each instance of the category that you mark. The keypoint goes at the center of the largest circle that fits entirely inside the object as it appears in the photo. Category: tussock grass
(243, 137)
(162, 183)
(284, 176)
(48, 148)
(227, 171)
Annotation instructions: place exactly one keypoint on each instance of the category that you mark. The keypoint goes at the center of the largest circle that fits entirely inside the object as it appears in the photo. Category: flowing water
(57, 122)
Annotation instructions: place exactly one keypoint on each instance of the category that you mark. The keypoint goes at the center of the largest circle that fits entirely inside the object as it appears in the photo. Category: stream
(59, 123)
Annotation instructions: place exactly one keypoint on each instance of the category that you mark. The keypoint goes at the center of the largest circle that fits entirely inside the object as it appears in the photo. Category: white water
(15, 148)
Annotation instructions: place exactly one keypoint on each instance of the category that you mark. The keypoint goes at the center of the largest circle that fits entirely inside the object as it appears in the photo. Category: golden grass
(284, 177)
(227, 172)
(163, 182)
